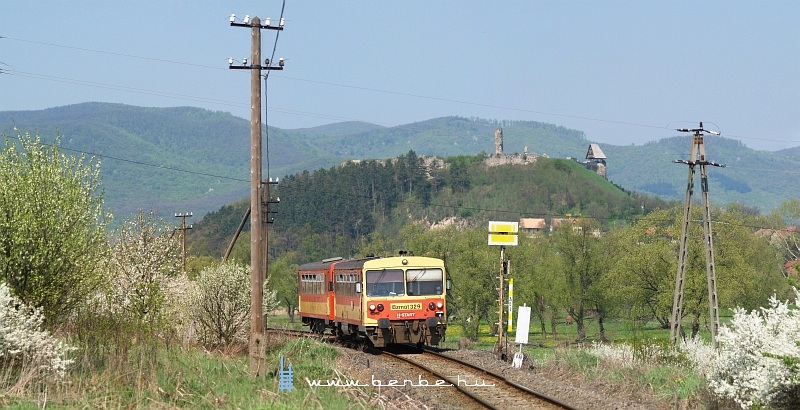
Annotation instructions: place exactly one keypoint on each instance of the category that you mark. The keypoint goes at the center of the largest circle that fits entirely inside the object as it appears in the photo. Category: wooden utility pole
(183, 229)
(257, 237)
(698, 148)
(256, 243)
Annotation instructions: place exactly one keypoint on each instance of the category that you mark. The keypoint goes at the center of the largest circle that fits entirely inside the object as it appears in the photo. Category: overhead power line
(159, 60)
(350, 86)
(146, 164)
(177, 96)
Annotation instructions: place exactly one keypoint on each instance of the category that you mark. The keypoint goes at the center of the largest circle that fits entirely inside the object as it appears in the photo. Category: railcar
(382, 300)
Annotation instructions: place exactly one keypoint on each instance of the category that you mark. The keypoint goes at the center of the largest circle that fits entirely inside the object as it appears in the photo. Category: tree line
(616, 260)
(586, 270)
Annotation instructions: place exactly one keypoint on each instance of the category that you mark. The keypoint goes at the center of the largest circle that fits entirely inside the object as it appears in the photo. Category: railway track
(489, 389)
(468, 385)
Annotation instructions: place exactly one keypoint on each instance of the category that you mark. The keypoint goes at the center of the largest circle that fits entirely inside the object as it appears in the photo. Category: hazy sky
(624, 72)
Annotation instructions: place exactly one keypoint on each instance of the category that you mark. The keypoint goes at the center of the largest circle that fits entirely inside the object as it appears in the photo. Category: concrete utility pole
(257, 239)
(183, 229)
(698, 147)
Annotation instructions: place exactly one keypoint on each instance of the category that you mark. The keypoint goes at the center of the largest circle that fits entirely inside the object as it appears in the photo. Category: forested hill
(326, 212)
(189, 159)
(165, 159)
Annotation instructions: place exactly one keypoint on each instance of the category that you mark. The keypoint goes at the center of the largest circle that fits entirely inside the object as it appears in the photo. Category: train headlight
(380, 307)
(372, 307)
(439, 305)
(431, 306)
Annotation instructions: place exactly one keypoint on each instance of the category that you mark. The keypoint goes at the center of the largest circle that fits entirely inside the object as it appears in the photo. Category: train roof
(340, 263)
(346, 264)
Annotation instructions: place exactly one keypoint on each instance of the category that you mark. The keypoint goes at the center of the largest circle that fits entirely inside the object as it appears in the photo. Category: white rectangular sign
(523, 324)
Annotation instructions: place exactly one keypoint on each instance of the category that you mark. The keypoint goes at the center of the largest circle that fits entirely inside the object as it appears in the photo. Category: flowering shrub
(52, 223)
(759, 356)
(221, 304)
(145, 257)
(757, 364)
(700, 355)
(627, 356)
(178, 294)
(27, 353)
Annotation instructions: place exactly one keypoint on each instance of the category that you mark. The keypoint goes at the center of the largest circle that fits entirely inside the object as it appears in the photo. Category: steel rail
(503, 378)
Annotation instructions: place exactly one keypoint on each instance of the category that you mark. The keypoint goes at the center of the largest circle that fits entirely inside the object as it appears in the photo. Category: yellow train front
(383, 300)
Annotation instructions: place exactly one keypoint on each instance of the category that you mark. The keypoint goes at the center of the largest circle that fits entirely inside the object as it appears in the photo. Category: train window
(424, 281)
(343, 285)
(385, 282)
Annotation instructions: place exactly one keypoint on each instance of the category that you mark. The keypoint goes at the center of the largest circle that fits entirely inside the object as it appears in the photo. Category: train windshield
(424, 281)
(385, 282)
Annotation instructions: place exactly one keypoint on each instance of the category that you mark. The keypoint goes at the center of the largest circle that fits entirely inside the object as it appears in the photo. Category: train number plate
(406, 306)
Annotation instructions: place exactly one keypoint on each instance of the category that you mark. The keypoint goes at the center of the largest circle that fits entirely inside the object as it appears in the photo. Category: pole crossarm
(254, 67)
(697, 157)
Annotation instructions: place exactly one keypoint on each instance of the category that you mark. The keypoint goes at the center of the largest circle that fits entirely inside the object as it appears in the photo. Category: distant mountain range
(191, 159)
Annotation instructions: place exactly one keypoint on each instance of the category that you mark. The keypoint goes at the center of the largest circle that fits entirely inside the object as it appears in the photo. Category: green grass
(196, 379)
(153, 376)
(670, 382)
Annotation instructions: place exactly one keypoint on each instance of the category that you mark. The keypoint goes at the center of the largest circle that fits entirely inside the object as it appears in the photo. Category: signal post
(503, 234)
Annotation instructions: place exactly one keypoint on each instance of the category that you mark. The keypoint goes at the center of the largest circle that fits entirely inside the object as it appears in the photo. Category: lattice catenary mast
(698, 148)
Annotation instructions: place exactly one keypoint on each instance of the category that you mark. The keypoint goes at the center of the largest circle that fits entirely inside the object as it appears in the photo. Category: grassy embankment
(177, 377)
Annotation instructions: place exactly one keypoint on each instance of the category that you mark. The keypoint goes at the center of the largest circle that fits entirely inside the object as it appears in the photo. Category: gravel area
(560, 384)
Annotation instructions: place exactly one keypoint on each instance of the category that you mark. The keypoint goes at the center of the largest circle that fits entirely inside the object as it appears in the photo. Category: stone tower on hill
(498, 141)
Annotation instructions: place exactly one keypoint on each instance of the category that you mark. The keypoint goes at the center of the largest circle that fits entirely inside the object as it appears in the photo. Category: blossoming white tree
(28, 354)
(757, 363)
(221, 304)
(145, 257)
(759, 357)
